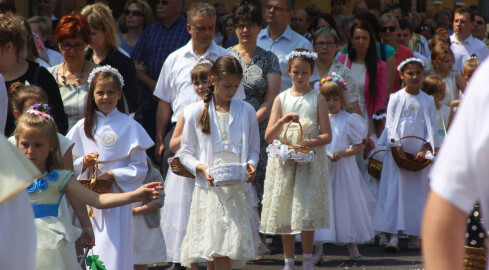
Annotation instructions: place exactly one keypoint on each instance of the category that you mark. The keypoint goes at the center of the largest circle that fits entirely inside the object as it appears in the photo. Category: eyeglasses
(425, 28)
(135, 13)
(241, 27)
(328, 44)
(68, 46)
(163, 2)
(269, 7)
(390, 28)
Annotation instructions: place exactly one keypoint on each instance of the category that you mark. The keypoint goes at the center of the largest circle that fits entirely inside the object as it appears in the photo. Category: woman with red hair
(72, 35)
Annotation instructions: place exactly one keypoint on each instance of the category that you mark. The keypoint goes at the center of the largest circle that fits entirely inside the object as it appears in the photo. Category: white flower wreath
(278, 149)
(307, 54)
(106, 68)
(410, 60)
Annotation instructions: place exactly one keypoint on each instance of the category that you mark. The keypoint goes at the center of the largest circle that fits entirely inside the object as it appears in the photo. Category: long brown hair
(90, 107)
(224, 66)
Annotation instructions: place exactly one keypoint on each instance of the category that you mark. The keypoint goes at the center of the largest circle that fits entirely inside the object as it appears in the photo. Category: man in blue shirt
(155, 44)
(280, 39)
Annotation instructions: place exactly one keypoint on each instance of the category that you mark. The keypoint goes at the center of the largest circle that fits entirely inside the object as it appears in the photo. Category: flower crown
(105, 68)
(380, 116)
(206, 62)
(40, 109)
(335, 78)
(307, 54)
(408, 61)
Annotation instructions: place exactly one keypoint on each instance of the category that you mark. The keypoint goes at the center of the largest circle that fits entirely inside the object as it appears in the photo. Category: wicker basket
(296, 147)
(374, 167)
(475, 258)
(405, 160)
(178, 168)
(100, 186)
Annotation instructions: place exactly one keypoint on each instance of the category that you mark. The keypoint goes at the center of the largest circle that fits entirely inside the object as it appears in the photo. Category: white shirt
(460, 172)
(282, 46)
(55, 58)
(174, 84)
(463, 49)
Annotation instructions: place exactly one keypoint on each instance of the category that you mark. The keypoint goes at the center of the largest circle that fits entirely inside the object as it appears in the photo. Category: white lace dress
(296, 194)
(208, 233)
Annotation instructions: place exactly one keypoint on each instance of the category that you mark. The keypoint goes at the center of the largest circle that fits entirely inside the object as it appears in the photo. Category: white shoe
(317, 256)
(383, 240)
(393, 245)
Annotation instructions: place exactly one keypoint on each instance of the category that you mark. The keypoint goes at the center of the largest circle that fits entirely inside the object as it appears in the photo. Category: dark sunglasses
(135, 13)
(390, 28)
(425, 28)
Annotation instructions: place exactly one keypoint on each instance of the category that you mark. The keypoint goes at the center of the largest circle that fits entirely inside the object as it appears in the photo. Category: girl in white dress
(436, 87)
(118, 143)
(36, 136)
(179, 189)
(443, 59)
(353, 210)
(372, 148)
(402, 193)
(220, 130)
(296, 194)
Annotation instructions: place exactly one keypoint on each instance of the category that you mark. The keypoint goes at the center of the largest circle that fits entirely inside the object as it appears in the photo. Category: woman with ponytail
(220, 130)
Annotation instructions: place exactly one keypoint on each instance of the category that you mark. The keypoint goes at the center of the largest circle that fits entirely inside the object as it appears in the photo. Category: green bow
(95, 263)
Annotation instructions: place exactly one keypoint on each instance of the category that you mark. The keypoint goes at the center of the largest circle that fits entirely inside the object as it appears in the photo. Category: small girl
(148, 243)
(37, 138)
(353, 209)
(217, 131)
(436, 87)
(373, 149)
(470, 66)
(296, 194)
(179, 189)
(443, 60)
(117, 143)
(402, 193)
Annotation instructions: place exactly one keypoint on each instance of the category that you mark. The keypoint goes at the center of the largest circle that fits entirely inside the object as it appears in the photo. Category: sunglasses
(390, 28)
(135, 13)
(68, 46)
(425, 28)
(163, 2)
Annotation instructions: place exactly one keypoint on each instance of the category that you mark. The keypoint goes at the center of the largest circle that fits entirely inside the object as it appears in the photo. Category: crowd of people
(261, 121)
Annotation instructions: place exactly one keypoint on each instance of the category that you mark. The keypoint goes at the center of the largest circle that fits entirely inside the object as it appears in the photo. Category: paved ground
(374, 257)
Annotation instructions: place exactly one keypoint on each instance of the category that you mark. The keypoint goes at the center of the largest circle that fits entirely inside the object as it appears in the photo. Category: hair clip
(380, 116)
(307, 54)
(105, 68)
(334, 78)
(39, 109)
(408, 61)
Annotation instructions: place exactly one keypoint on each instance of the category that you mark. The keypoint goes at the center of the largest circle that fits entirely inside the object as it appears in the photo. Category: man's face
(462, 25)
(202, 30)
(480, 28)
(45, 7)
(277, 13)
(404, 36)
(168, 9)
(300, 22)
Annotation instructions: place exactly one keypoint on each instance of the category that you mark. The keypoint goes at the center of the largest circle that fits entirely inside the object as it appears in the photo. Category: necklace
(78, 77)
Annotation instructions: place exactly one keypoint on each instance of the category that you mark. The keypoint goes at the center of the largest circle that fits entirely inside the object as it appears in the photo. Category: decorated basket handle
(92, 184)
(284, 137)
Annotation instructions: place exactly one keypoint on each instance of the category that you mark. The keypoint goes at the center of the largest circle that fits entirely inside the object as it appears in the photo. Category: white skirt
(216, 232)
(175, 213)
(148, 243)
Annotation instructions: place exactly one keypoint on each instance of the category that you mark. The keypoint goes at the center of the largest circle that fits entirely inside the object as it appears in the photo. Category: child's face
(380, 126)
(446, 64)
(36, 145)
(440, 93)
(225, 88)
(300, 72)
(412, 75)
(200, 87)
(334, 104)
(468, 73)
(106, 96)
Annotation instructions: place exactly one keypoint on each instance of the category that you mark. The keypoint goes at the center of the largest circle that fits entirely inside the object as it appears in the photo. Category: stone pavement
(374, 257)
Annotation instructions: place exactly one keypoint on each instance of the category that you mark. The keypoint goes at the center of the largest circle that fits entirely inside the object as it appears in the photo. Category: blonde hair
(48, 127)
(389, 17)
(470, 66)
(12, 30)
(331, 89)
(431, 84)
(100, 17)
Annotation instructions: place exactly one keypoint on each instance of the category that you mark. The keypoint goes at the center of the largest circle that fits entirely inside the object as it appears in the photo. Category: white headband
(307, 54)
(380, 116)
(205, 61)
(105, 68)
(410, 60)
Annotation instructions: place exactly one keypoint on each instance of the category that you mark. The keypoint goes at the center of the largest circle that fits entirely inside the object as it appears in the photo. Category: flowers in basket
(278, 149)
